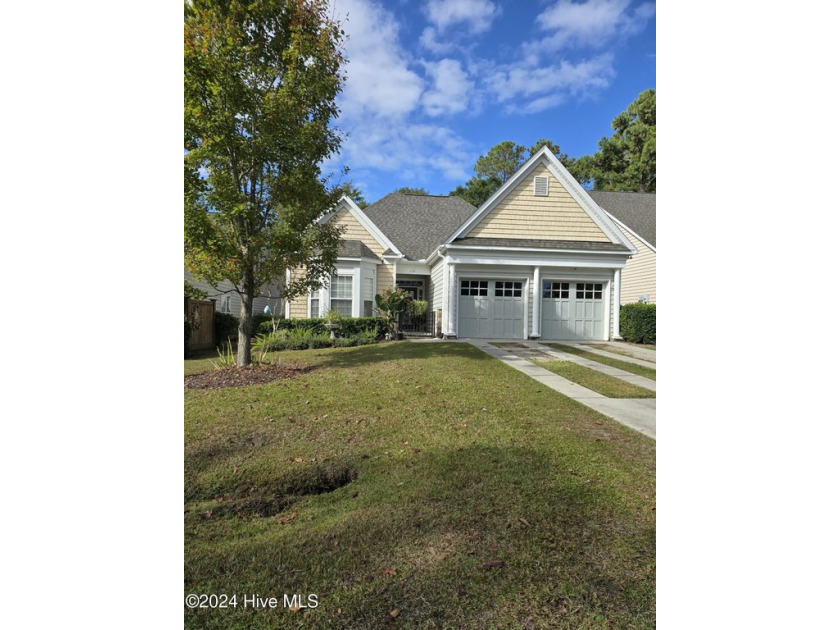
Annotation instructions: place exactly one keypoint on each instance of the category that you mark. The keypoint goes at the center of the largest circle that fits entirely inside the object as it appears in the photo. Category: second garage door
(572, 310)
(491, 309)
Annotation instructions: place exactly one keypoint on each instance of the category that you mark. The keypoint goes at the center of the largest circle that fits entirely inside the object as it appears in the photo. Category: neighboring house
(539, 259)
(635, 214)
(228, 300)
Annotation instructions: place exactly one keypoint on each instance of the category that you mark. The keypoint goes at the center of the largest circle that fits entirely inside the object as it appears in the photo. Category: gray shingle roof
(635, 210)
(540, 244)
(418, 224)
(355, 249)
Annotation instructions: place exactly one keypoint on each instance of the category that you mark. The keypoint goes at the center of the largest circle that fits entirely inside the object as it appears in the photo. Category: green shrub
(637, 322)
(362, 339)
(257, 320)
(348, 325)
(301, 339)
(227, 328)
(294, 339)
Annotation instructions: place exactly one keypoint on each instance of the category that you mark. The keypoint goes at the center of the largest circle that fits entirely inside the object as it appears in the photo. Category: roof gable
(566, 213)
(359, 226)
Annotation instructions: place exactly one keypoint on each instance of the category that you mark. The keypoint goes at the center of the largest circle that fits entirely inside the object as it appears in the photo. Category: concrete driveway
(636, 413)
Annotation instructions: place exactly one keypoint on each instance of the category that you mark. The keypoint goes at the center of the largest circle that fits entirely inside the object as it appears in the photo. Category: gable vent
(541, 186)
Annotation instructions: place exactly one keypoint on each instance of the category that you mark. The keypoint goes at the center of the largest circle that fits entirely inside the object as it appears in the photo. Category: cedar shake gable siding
(523, 215)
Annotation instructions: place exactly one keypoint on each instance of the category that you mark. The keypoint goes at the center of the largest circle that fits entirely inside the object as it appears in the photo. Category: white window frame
(353, 298)
(317, 296)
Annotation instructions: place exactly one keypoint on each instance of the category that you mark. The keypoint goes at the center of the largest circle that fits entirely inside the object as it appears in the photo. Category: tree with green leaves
(477, 190)
(627, 159)
(261, 79)
(354, 192)
(408, 190)
(501, 161)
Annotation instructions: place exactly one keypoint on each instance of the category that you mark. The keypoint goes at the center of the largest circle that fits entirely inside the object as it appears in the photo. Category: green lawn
(451, 461)
(605, 384)
(633, 368)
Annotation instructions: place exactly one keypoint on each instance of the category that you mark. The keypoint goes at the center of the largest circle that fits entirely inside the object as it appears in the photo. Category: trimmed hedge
(348, 326)
(637, 322)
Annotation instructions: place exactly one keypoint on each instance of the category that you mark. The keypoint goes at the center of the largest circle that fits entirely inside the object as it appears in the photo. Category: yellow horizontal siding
(384, 278)
(555, 217)
(639, 275)
(298, 306)
(355, 231)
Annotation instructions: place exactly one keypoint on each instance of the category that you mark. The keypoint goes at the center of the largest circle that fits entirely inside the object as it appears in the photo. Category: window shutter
(541, 186)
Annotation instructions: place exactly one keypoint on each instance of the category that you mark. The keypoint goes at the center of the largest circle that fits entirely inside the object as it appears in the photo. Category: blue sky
(433, 84)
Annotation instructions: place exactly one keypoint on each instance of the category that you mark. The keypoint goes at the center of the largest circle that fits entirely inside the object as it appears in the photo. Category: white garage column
(536, 314)
(453, 300)
(616, 302)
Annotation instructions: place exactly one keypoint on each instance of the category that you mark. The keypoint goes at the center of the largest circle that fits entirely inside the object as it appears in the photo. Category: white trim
(288, 307)
(616, 303)
(451, 320)
(502, 248)
(363, 259)
(536, 316)
(607, 310)
(547, 158)
(596, 262)
(409, 268)
(365, 221)
(633, 232)
(309, 303)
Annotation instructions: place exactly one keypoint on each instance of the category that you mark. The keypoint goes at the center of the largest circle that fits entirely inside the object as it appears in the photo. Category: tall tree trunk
(243, 350)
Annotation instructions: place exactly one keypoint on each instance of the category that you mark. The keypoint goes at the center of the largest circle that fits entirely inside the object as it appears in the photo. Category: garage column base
(534, 336)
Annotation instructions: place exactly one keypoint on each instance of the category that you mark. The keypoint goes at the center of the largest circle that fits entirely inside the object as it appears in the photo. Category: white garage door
(572, 310)
(491, 309)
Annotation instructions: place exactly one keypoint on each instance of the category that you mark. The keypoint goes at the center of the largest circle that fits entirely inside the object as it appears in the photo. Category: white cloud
(476, 15)
(387, 99)
(379, 80)
(405, 149)
(530, 88)
(451, 89)
(595, 24)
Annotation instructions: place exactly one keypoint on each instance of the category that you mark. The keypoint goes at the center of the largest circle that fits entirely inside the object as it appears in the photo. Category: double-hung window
(341, 295)
(367, 287)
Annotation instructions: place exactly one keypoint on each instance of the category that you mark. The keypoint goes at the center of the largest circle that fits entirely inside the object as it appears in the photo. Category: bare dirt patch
(239, 377)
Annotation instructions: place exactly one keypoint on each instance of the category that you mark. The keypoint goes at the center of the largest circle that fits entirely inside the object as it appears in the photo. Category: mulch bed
(239, 377)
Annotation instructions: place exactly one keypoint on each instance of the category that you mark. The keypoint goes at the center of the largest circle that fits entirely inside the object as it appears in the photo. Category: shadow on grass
(414, 533)
(401, 351)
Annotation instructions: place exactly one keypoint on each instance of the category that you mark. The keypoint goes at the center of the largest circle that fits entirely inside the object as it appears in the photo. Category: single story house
(540, 259)
(635, 215)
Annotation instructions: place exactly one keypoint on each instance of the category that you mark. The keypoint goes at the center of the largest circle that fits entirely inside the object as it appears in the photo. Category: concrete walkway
(636, 413)
(627, 377)
(640, 356)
